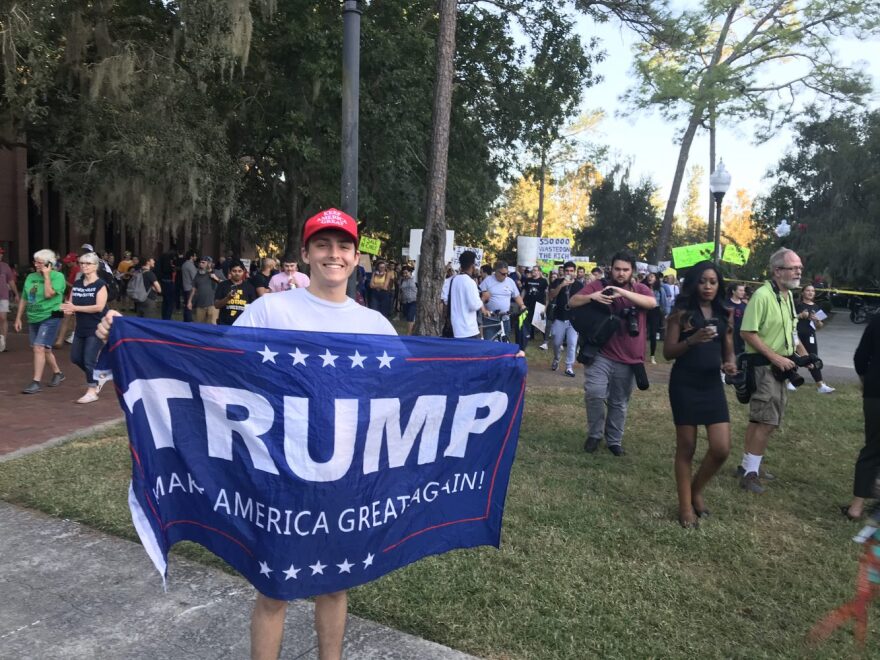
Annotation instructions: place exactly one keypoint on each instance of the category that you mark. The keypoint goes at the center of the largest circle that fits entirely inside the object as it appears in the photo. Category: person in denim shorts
(41, 297)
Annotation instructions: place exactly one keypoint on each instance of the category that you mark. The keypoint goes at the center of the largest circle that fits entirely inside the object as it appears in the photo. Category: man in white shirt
(329, 246)
(462, 298)
(499, 290)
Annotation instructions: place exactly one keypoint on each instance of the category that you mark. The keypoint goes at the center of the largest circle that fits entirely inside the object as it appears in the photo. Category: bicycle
(499, 325)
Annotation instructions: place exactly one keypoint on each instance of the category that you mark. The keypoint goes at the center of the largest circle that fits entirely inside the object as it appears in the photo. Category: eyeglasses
(86, 263)
(501, 272)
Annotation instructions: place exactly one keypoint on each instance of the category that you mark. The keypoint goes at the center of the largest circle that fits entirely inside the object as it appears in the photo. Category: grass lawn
(593, 562)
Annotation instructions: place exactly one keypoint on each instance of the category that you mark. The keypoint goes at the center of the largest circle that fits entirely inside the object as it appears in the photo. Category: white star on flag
(369, 560)
(264, 568)
(385, 360)
(268, 356)
(318, 567)
(357, 360)
(328, 358)
(291, 573)
(299, 357)
(345, 567)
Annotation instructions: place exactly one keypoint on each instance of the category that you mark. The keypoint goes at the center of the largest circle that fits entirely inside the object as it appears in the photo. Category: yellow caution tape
(846, 292)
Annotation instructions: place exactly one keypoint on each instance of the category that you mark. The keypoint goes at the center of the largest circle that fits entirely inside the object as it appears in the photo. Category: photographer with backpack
(610, 374)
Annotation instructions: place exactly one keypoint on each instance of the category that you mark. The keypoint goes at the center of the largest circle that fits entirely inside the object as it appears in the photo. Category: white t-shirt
(297, 309)
(464, 306)
(500, 293)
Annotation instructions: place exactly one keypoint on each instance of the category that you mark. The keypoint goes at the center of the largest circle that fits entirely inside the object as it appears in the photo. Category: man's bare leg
(757, 437)
(331, 611)
(267, 627)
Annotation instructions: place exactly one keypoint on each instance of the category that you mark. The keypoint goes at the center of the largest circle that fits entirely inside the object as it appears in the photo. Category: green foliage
(829, 190)
(747, 60)
(623, 216)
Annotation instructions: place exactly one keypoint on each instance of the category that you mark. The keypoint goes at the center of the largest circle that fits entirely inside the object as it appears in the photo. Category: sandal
(844, 511)
(689, 524)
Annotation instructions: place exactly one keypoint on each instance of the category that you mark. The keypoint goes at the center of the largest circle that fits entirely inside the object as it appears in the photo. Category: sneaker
(617, 450)
(555, 365)
(69, 339)
(740, 472)
(543, 346)
(653, 360)
(33, 388)
(790, 387)
(751, 483)
(88, 397)
(57, 379)
(591, 444)
(824, 389)
(569, 372)
(2, 343)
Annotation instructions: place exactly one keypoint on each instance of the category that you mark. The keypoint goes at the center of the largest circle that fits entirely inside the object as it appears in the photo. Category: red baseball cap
(330, 219)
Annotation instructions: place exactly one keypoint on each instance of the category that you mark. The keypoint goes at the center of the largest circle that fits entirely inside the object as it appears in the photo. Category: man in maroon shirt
(608, 379)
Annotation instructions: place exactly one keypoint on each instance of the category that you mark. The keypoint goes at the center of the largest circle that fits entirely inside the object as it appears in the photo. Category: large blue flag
(314, 462)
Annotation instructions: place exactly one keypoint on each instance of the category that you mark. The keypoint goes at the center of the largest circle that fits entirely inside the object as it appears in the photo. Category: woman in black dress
(807, 324)
(700, 340)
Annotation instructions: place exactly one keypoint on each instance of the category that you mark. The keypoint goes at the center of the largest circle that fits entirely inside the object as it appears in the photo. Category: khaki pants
(205, 315)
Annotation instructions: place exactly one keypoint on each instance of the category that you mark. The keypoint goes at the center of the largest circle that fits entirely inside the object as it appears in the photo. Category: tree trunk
(711, 223)
(541, 195)
(693, 122)
(683, 152)
(432, 268)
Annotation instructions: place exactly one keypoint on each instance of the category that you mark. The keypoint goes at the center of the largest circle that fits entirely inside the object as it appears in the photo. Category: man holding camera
(770, 335)
(609, 377)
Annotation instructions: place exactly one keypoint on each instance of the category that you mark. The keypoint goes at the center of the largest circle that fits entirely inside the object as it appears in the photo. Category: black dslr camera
(630, 316)
(740, 380)
(792, 375)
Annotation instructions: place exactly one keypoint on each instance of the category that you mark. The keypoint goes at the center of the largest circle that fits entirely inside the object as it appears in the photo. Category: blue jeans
(563, 331)
(45, 332)
(84, 354)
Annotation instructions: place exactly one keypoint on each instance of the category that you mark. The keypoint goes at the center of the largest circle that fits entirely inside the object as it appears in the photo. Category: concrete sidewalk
(67, 591)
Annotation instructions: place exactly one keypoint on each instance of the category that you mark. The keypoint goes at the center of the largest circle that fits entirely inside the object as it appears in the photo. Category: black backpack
(595, 323)
(108, 279)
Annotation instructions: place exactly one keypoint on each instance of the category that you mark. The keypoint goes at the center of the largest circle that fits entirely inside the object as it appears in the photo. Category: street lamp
(719, 183)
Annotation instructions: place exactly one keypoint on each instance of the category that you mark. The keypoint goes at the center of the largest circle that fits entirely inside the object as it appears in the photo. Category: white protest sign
(663, 265)
(641, 267)
(538, 318)
(553, 249)
(462, 248)
(526, 251)
(415, 244)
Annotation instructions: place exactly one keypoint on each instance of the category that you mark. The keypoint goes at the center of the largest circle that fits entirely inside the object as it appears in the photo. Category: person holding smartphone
(610, 376)
(700, 340)
(41, 297)
(233, 295)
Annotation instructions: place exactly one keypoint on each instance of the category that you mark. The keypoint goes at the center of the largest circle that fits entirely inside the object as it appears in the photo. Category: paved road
(68, 592)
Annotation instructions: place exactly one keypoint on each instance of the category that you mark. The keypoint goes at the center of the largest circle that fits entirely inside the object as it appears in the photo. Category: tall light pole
(719, 183)
(351, 73)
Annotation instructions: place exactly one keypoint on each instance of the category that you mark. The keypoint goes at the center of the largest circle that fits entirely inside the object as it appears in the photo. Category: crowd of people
(610, 320)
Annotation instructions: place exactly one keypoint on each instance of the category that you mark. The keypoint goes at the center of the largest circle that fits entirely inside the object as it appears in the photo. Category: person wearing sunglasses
(41, 298)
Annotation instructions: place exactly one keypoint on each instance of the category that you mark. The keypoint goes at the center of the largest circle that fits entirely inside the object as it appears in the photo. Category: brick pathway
(32, 419)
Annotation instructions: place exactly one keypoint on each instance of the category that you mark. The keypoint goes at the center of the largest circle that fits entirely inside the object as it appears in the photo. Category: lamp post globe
(719, 184)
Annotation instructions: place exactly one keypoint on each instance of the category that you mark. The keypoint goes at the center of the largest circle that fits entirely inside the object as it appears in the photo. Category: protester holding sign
(534, 291)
